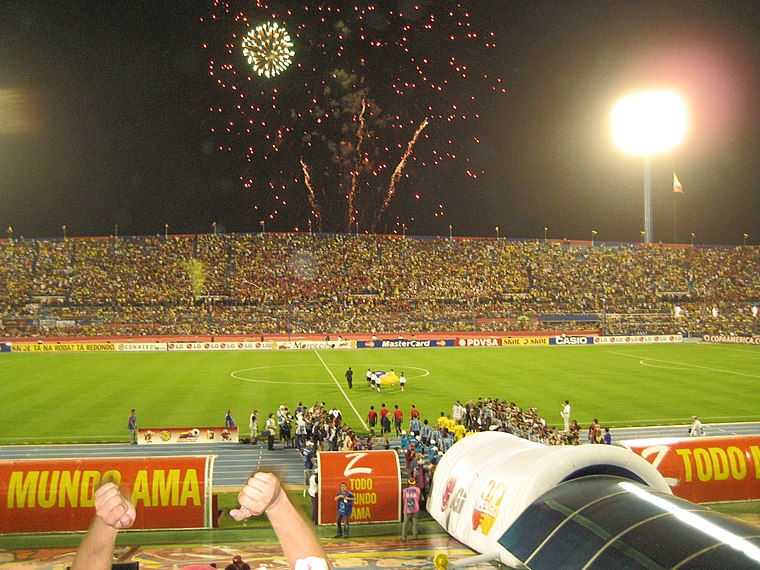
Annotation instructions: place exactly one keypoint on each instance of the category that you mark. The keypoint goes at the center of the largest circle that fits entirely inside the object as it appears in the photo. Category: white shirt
(313, 486)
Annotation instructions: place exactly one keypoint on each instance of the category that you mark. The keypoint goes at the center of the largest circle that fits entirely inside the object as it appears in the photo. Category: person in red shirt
(384, 411)
(372, 420)
(414, 413)
(398, 419)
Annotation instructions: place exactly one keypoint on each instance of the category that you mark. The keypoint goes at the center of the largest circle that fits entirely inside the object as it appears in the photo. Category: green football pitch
(87, 397)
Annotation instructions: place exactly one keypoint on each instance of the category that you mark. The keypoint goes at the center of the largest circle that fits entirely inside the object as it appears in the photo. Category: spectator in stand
(142, 286)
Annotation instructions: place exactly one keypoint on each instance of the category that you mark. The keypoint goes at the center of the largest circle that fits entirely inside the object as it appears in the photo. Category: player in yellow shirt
(459, 431)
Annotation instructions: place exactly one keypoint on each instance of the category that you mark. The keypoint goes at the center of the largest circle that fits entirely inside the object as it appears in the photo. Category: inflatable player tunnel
(589, 506)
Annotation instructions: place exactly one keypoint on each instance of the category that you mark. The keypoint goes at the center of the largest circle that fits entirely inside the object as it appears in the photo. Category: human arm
(113, 512)
(263, 493)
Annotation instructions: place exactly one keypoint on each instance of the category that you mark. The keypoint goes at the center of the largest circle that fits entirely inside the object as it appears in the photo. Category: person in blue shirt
(228, 421)
(132, 425)
(345, 499)
(426, 432)
(415, 426)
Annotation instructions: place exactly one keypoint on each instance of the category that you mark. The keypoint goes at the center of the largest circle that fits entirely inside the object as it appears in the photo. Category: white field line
(666, 423)
(342, 391)
(685, 364)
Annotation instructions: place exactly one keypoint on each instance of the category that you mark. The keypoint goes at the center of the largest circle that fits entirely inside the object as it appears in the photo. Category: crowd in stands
(300, 283)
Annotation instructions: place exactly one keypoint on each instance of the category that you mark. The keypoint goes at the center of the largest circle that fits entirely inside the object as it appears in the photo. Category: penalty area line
(342, 391)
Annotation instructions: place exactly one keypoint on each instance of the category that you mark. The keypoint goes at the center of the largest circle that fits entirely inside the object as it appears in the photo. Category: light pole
(263, 226)
(646, 124)
(692, 240)
(403, 230)
(166, 232)
(545, 230)
(497, 233)
(643, 236)
(593, 233)
(450, 234)
(745, 238)
(63, 227)
(213, 227)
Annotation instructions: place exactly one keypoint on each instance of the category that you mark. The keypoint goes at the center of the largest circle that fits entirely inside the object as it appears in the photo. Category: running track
(234, 462)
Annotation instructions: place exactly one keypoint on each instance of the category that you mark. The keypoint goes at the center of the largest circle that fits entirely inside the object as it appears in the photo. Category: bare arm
(113, 512)
(263, 493)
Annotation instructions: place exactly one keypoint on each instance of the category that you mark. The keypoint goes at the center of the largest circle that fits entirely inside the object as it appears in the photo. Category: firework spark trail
(312, 197)
(400, 169)
(357, 168)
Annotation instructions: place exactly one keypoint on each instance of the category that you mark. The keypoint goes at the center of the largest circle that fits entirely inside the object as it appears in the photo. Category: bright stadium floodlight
(645, 124)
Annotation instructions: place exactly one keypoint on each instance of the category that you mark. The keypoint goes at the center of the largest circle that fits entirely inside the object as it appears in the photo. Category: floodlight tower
(645, 124)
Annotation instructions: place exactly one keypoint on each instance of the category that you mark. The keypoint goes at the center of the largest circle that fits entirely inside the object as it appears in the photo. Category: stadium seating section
(341, 284)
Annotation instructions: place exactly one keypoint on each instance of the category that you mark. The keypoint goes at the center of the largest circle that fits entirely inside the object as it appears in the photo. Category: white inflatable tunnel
(486, 481)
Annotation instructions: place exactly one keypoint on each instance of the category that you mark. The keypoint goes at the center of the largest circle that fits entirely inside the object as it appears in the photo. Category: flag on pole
(677, 188)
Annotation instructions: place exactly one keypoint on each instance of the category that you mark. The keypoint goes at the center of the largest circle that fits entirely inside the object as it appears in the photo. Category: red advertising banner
(160, 436)
(54, 495)
(706, 469)
(372, 476)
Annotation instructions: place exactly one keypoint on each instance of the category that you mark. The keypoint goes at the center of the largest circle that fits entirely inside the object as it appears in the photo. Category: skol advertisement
(54, 495)
(371, 476)
(706, 469)
(162, 436)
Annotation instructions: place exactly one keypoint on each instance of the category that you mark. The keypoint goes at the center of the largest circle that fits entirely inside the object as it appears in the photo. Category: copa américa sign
(53, 495)
(372, 476)
(706, 469)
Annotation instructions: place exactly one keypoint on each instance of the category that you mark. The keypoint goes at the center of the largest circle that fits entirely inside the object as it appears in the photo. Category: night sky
(105, 120)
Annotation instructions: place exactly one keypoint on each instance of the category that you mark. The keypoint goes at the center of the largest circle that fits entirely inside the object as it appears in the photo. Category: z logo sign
(351, 470)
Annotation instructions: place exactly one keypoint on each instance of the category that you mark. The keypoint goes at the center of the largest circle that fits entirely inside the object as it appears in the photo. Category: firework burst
(375, 92)
(268, 49)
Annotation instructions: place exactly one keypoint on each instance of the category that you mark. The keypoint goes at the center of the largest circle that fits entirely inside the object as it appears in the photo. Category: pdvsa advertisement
(371, 476)
(162, 436)
(706, 469)
(55, 495)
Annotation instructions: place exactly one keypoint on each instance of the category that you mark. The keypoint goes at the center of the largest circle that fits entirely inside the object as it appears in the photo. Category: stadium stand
(299, 283)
